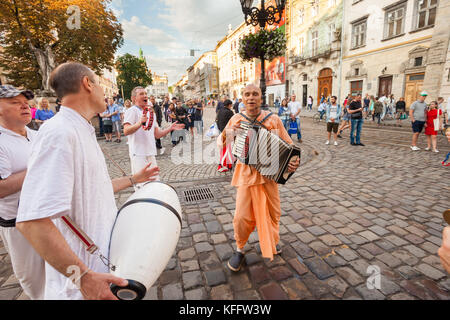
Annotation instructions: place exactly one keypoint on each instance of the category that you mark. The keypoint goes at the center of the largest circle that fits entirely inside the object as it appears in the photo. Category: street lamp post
(262, 16)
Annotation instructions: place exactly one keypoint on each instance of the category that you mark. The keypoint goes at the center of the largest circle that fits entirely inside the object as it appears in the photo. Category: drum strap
(91, 247)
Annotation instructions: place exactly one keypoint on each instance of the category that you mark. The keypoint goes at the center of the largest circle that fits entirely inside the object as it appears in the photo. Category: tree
(37, 35)
(132, 72)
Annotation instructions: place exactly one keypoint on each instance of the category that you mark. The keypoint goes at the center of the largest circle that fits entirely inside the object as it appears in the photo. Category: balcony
(323, 51)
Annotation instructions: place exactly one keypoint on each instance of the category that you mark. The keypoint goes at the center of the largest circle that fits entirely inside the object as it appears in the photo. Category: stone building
(313, 32)
(394, 47)
(234, 74)
(159, 87)
(203, 78)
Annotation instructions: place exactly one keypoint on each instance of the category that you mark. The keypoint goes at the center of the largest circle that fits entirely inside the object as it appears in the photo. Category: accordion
(266, 152)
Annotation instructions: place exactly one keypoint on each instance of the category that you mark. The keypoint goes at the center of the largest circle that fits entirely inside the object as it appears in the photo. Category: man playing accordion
(257, 199)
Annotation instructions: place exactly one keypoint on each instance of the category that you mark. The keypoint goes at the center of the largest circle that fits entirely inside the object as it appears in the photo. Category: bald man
(257, 199)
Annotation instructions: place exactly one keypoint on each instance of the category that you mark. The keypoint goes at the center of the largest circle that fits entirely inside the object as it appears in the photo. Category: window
(331, 30)
(426, 13)
(305, 77)
(301, 16)
(314, 8)
(357, 72)
(395, 21)
(315, 42)
(359, 34)
(301, 43)
(418, 61)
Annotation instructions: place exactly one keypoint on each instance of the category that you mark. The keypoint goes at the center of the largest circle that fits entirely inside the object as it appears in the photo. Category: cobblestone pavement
(345, 210)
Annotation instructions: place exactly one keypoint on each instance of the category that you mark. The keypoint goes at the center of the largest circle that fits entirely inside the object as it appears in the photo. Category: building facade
(234, 74)
(108, 81)
(159, 87)
(313, 32)
(391, 47)
(203, 78)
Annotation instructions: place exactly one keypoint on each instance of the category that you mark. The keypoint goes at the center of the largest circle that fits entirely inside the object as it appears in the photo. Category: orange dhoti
(258, 199)
(258, 206)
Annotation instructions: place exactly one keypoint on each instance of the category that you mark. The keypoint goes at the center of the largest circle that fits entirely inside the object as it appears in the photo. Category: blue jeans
(356, 124)
(322, 113)
(299, 130)
(286, 124)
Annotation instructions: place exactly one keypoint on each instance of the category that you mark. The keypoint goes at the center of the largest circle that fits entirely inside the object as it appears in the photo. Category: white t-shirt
(142, 142)
(333, 111)
(67, 175)
(14, 153)
(294, 107)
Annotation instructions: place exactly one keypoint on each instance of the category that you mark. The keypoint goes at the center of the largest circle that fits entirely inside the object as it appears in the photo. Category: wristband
(132, 181)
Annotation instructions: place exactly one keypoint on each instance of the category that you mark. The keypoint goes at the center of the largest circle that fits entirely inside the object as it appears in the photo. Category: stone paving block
(344, 239)
(368, 294)
(330, 240)
(356, 239)
(303, 250)
(317, 287)
(417, 290)
(379, 230)
(319, 267)
(338, 287)
(280, 273)
(247, 295)
(286, 220)
(209, 261)
(320, 248)
(200, 237)
(364, 222)
(190, 265)
(430, 272)
(196, 294)
(389, 259)
(385, 245)
(349, 275)
(208, 217)
(360, 266)
(192, 279)
(215, 277)
(203, 247)
(252, 258)
(406, 257)
(224, 251)
(169, 276)
(435, 290)
(298, 266)
(355, 227)
(408, 272)
(239, 281)
(305, 237)
(389, 287)
(272, 291)
(228, 227)
(437, 241)
(381, 222)
(218, 238)
(172, 292)
(222, 292)
(397, 230)
(277, 261)
(347, 253)
(397, 241)
(296, 289)
(365, 254)
(305, 222)
(369, 235)
(402, 296)
(414, 239)
(295, 228)
(417, 231)
(196, 228)
(372, 249)
(335, 261)
(346, 231)
(184, 242)
(416, 251)
(316, 230)
(213, 227)
(258, 273)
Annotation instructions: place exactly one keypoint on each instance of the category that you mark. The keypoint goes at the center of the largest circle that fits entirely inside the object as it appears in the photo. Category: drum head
(134, 291)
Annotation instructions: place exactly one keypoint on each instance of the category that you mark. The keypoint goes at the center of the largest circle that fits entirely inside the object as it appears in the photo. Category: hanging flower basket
(264, 43)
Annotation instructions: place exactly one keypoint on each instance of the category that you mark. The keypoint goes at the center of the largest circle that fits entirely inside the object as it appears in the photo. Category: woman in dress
(432, 114)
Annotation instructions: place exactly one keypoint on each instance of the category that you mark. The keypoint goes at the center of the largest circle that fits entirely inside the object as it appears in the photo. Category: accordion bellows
(266, 152)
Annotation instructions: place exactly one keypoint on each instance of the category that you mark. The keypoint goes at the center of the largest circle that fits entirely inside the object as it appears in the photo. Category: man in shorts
(333, 111)
(418, 115)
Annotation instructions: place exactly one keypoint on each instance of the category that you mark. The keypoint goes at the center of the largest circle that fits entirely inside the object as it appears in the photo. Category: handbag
(213, 131)
(293, 128)
(436, 121)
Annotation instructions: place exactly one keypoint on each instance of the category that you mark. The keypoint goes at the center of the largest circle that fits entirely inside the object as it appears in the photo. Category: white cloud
(174, 67)
(136, 31)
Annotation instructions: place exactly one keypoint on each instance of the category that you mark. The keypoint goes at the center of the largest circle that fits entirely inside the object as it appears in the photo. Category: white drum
(144, 238)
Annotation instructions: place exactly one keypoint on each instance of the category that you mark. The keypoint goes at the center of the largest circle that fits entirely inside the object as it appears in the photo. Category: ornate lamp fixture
(262, 15)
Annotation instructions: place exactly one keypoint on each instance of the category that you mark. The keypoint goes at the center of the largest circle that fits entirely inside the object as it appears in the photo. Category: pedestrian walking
(322, 109)
(68, 168)
(114, 110)
(295, 108)
(383, 99)
(378, 110)
(345, 123)
(400, 109)
(434, 114)
(355, 109)
(371, 108)
(418, 116)
(159, 116)
(366, 106)
(284, 114)
(165, 105)
(226, 157)
(310, 101)
(257, 198)
(333, 112)
(15, 150)
(198, 116)
(236, 105)
(107, 123)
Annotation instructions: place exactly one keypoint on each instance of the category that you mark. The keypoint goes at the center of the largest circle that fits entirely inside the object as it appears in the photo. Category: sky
(167, 30)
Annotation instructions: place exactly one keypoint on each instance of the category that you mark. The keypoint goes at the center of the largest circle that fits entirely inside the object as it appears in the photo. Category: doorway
(414, 84)
(325, 83)
(385, 86)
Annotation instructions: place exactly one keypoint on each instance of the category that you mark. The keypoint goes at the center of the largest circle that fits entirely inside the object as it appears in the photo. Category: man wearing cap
(418, 116)
(15, 148)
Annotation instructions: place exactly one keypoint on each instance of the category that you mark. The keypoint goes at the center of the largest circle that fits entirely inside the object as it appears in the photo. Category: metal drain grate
(199, 194)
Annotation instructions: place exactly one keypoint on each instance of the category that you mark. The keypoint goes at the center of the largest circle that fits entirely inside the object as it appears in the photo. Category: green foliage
(132, 73)
(263, 44)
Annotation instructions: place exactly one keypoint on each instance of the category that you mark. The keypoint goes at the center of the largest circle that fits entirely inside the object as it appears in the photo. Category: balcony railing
(312, 54)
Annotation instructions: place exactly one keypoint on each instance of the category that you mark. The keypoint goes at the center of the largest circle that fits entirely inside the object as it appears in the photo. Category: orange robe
(258, 198)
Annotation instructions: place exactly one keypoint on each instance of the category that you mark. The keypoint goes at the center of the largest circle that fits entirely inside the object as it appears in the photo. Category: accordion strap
(256, 121)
